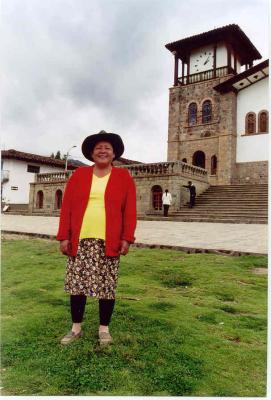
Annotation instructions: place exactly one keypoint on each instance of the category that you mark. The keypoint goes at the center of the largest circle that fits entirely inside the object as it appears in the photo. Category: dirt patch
(260, 271)
(235, 339)
(11, 236)
(19, 236)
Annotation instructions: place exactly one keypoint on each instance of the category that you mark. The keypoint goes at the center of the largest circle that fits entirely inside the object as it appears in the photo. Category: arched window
(157, 193)
(199, 159)
(213, 165)
(39, 199)
(192, 114)
(184, 160)
(263, 121)
(206, 112)
(58, 199)
(250, 123)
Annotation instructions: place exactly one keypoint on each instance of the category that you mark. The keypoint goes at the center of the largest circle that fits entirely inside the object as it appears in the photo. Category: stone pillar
(173, 124)
(31, 203)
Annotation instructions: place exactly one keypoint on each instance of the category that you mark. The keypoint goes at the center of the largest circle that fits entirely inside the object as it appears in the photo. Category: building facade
(19, 169)
(209, 105)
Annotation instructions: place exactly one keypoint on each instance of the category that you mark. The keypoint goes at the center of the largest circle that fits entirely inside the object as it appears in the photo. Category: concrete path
(248, 238)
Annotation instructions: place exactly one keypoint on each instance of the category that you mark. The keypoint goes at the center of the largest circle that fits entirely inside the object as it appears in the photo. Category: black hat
(90, 142)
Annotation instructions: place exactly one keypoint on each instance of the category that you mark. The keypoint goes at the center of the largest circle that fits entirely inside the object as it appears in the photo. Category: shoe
(70, 337)
(105, 338)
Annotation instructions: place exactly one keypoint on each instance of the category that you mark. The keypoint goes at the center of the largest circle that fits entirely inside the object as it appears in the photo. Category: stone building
(218, 114)
(217, 125)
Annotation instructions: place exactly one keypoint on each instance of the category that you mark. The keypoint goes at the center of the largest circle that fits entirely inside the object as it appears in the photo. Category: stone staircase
(246, 204)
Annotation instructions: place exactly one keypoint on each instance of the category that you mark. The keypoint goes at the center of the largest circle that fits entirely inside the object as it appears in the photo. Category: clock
(204, 61)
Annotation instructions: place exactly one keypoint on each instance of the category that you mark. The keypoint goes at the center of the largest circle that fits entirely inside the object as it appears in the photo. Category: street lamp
(68, 152)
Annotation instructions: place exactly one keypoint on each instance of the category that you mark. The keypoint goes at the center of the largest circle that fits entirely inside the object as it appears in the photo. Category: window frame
(266, 121)
(36, 168)
(247, 130)
(192, 114)
(206, 118)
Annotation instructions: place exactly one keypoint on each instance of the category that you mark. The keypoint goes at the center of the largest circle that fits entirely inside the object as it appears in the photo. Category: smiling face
(103, 154)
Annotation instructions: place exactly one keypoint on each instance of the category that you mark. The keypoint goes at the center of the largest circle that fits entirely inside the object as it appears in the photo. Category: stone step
(246, 187)
(221, 211)
(207, 219)
(211, 207)
(219, 206)
(232, 199)
(229, 195)
(254, 191)
(225, 204)
(243, 188)
(225, 216)
(234, 194)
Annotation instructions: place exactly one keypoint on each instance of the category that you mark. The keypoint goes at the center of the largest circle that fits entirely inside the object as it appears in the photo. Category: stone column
(173, 123)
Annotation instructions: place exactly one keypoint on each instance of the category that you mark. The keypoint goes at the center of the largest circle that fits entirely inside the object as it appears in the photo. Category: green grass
(183, 325)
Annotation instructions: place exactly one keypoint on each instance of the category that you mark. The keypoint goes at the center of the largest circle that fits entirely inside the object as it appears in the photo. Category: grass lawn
(183, 325)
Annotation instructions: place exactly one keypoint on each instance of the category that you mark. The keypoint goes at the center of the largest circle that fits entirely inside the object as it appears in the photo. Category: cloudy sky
(75, 67)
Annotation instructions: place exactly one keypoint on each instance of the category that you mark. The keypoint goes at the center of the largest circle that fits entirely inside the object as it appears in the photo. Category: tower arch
(198, 159)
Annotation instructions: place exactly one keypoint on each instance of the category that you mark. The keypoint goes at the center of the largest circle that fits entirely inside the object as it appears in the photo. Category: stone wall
(252, 172)
(215, 138)
(49, 184)
(169, 176)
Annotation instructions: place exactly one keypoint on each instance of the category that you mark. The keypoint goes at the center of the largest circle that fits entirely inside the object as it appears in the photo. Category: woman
(97, 225)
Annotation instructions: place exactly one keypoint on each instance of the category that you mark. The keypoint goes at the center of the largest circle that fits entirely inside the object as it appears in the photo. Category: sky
(72, 68)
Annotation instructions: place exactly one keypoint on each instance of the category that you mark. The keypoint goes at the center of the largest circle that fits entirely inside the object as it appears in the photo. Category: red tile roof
(35, 158)
(126, 161)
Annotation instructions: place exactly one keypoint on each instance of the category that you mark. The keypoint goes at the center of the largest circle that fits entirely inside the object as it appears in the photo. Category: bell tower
(202, 121)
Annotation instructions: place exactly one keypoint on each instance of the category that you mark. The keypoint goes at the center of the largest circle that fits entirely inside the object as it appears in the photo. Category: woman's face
(103, 153)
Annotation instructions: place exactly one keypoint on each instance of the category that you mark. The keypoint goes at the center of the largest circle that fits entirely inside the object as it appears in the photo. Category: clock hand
(206, 60)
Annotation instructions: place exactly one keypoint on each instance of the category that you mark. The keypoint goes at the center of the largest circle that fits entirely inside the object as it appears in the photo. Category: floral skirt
(91, 272)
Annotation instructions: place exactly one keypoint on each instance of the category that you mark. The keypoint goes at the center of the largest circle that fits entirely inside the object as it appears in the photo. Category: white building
(251, 88)
(18, 170)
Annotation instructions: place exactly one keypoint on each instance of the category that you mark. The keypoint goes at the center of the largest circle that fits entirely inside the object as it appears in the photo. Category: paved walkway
(195, 235)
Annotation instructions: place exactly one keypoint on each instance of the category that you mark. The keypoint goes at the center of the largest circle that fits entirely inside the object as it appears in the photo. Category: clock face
(204, 61)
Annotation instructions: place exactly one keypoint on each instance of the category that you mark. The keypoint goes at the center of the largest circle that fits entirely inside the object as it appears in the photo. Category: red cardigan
(120, 209)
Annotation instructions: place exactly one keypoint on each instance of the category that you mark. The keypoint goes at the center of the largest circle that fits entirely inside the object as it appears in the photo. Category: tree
(52, 155)
(58, 155)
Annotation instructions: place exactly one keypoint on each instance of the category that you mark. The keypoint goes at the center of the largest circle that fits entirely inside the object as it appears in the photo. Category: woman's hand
(64, 246)
(124, 247)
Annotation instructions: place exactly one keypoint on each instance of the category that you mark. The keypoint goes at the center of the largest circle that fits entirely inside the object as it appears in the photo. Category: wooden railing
(205, 75)
(52, 176)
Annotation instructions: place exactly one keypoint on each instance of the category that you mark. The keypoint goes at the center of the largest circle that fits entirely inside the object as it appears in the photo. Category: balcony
(50, 177)
(166, 169)
(205, 75)
(4, 176)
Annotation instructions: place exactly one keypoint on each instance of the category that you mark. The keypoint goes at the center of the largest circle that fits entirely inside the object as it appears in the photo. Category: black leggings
(78, 303)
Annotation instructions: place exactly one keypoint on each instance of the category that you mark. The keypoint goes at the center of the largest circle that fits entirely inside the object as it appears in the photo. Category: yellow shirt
(93, 225)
